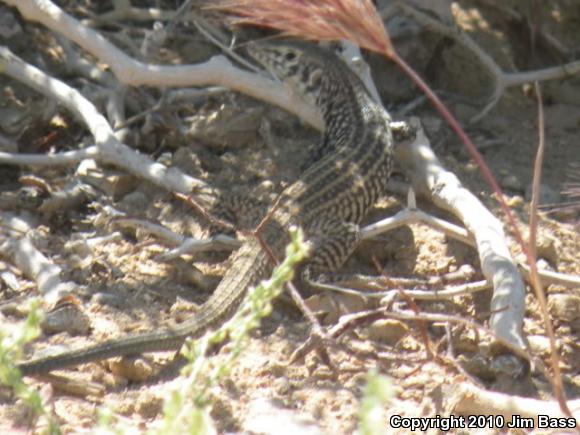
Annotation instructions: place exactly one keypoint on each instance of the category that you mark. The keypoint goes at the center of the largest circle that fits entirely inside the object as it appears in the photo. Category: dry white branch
(220, 242)
(20, 249)
(445, 190)
(69, 197)
(182, 245)
(204, 28)
(549, 277)
(124, 11)
(410, 216)
(67, 158)
(92, 242)
(426, 295)
(167, 236)
(75, 63)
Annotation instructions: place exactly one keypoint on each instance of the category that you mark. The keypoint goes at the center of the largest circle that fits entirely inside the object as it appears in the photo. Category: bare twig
(182, 245)
(20, 248)
(67, 158)
(124, 11)
(409, 216)
(426, 295)
(549, 277)
(556, 379)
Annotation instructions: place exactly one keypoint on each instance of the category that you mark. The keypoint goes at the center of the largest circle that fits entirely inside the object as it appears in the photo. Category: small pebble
(508, 365)
(149, 405)
(66, 316)
(547, 195)
(565, 307)
(511, 182)
(539, 344)
(388, 331)
(108, 299)
(134, 369)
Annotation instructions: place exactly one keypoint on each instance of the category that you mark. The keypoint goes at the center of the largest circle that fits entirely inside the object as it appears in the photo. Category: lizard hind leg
(333, 241)
(240, 212)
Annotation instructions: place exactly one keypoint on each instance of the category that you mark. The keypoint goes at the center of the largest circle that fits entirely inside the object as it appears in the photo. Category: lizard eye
(290, 56)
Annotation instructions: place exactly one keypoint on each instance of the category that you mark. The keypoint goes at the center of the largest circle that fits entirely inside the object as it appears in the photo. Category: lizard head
(298, 65)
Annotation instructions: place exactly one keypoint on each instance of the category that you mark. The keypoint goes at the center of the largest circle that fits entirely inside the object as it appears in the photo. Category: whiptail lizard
(349, 173)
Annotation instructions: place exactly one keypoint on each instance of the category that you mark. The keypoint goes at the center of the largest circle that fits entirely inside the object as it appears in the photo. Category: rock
(565, 307)
(108, 379)
(548, 247)
(388, 331)
(515, 201)
(227, 127)
(11, 120)
(67, 316)
(114, 183)
(509, 366)
(547, 195)
(432, 125)
(329, 307)
(135, 200)
(511, 182)
(136, 369)
(109, 299)
(188, 161)
(80, 248)
(149, 405)
(282, 385)
(14, 309)
(9, 26)
(478, 366)
(539, 344)
(466, 341)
